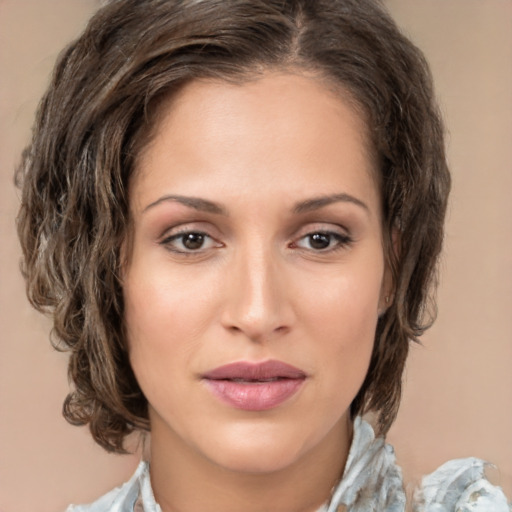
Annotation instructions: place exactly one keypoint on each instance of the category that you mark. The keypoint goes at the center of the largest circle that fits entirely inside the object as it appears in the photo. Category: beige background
(458, 395)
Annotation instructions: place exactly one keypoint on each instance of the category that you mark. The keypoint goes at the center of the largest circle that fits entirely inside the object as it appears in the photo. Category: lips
(254, 386)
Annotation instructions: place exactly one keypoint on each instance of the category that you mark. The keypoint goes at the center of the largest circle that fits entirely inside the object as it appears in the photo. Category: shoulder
(460, 485)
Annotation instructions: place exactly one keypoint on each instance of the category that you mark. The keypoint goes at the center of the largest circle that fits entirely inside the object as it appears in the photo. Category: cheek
(158, 302)
(342, 317)
(346, 301)
(166, 315)
(153, 316)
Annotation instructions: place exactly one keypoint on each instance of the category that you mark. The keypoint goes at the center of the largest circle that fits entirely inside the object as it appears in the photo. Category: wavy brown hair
(98, 112)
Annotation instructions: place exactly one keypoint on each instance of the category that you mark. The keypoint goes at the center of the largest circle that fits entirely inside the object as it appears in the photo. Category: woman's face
(256, 272)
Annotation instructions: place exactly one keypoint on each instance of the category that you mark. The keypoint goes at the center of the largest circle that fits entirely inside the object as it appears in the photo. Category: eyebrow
(196, 203)
(320, 202)
(306, 206)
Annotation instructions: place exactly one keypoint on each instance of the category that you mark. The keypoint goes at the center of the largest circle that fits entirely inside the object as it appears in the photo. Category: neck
(183, 480)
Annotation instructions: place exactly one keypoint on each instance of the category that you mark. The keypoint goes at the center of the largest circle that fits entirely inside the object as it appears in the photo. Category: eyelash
(341, 241)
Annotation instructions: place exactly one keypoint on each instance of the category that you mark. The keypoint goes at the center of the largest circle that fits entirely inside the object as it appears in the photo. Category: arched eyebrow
(305, 206)
(320, 202)
(196, 203)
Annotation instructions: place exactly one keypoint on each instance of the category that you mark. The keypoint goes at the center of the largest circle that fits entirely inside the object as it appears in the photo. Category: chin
(260, 448)
(257, 458)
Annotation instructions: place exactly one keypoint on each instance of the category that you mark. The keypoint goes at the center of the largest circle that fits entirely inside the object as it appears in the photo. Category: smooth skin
(256, 235)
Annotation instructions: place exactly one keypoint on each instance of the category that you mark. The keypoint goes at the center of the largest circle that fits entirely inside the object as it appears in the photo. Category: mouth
(254, 386)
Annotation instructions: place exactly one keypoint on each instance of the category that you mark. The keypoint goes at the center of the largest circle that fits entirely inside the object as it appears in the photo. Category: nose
(258, 302)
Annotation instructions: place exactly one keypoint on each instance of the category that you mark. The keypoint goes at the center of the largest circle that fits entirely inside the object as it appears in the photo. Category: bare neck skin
(184, 481)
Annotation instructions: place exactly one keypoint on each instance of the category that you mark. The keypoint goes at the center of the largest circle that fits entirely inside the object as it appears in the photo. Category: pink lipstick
(255, 386)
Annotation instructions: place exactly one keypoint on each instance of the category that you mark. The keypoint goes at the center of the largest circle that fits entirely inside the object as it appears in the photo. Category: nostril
(256, 334)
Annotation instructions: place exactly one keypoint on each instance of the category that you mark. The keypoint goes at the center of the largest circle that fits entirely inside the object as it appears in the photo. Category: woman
(233, 211)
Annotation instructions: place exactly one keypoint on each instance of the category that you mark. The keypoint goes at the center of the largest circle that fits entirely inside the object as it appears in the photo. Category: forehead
(274, 87)
(261, 127)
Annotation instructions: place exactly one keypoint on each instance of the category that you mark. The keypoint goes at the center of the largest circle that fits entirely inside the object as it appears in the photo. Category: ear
(391, 255)
(386, 294)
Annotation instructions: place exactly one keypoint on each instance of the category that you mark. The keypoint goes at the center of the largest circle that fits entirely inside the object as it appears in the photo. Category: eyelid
(322, 227)
(187, 226)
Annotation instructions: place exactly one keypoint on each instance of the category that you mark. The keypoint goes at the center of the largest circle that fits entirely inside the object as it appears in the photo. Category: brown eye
(189, 242)
(323, 241)
(193, 241)
(319, 240)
